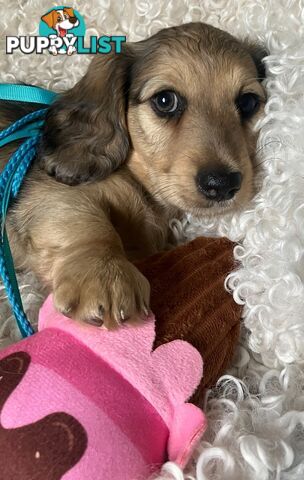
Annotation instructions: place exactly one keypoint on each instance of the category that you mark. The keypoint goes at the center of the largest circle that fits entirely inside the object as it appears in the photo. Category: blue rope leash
(28, 128)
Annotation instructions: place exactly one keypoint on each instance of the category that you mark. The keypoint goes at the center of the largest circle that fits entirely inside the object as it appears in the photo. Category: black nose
(73, 20)
(219, 184)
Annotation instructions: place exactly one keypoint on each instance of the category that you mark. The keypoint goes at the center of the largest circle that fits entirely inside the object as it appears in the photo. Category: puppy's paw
(53, 50)
(109, 295)
(71, 50)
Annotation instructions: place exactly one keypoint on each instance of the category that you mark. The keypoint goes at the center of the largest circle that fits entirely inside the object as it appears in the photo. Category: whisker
(260, 163)
(267, 144)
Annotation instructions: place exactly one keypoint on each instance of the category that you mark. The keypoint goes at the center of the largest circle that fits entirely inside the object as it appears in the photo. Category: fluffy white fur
(256, 415)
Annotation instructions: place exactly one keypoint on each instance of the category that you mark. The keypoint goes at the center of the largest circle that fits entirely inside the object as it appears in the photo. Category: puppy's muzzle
(218, 185)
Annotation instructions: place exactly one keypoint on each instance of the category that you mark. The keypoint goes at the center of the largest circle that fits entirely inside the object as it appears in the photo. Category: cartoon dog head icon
(61, 20)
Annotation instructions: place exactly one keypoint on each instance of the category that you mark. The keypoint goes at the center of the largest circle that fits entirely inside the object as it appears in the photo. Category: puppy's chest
(142, 229)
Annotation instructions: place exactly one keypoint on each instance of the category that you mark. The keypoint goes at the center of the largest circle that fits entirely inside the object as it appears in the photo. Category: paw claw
(101, 311)
(96, 322)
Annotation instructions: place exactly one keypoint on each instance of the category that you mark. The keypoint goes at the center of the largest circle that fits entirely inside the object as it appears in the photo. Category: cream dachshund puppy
(163, 128)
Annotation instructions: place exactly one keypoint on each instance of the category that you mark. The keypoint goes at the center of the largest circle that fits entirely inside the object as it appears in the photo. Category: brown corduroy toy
(190, 302)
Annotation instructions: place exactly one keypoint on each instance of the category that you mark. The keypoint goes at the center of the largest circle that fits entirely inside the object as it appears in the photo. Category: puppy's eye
(247, 104)
(166, 103)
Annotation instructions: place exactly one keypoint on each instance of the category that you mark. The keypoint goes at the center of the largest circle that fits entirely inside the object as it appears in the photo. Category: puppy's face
(193, 103)
(178, 108)
(61, 20)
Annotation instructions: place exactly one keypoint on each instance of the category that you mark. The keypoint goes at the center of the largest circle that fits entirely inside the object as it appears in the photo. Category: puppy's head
(179, 107)
(64, 19)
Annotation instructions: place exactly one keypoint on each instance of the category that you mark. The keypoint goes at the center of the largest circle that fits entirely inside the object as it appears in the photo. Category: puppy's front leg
(91, 278)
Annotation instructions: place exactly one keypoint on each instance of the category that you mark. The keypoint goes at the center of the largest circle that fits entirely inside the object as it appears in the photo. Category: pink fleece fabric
(129, 400)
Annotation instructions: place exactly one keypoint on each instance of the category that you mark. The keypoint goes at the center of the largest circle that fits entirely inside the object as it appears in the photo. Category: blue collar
(29, 129)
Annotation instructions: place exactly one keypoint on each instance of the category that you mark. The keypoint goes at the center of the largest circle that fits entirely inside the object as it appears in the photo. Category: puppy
(61, 21)
(163, 128)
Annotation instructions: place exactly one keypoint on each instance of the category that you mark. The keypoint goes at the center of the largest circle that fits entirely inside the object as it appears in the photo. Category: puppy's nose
(73, 20)
(219, 184)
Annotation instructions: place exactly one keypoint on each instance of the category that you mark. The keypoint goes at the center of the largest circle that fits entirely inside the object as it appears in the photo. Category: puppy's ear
(69, 11)
(50, 18)
(85, 136)
(258, 53)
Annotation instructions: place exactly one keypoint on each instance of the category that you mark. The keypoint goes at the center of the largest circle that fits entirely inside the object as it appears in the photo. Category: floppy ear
(69, 11)
(49, 18)
(257, 52)
(85, 135)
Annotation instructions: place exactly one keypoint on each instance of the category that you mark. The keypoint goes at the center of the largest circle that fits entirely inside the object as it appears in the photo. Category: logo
(62, 32)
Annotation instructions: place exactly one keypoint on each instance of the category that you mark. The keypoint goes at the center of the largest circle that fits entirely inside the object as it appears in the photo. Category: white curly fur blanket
(256, 415)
